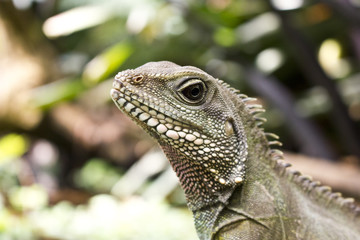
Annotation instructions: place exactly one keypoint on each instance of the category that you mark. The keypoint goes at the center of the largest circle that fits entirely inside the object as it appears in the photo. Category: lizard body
(236, 185)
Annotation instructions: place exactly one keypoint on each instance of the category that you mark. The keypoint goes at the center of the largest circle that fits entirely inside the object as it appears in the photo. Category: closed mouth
(146, 113)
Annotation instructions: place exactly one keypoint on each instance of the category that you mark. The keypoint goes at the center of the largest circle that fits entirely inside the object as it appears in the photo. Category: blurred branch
(345, 10)
(308, 62)
(352, 15)
(305, 133)
(355, 38)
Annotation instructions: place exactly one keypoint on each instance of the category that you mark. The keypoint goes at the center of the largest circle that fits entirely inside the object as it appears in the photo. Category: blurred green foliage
(12, 146)
(27, 198)
(106, 63)
(62, 90)
(97, 176)
(104, 217)
(63, 145)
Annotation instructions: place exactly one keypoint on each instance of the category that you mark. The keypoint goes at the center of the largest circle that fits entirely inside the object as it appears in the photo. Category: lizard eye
(192, 91)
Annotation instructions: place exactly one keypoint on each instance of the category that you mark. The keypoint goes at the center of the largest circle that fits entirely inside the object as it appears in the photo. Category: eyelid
(190, 82)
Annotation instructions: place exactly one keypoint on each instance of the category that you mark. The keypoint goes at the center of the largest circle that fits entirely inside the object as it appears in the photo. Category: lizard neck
(205, 204)
(259, 195)
(197, 191)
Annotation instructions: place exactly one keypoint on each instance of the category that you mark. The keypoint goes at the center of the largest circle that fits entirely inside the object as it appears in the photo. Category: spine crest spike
(303, 179)
(313, 185)
(242, 95)
(347, 201)
(249, 99)
(277, 157)
(271, 143)
(286, 165)
(277, 151)
(259, 124)
(284, 168)
(272, 135)
(257, 110)
(293, 174)
(335, 195)
(260, 119)
(323, 189)
(254, 106)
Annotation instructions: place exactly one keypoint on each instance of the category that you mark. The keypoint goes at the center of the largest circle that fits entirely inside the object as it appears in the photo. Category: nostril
(137, 79)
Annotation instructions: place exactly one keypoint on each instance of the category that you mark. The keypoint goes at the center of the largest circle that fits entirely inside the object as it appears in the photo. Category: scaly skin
(235, 184)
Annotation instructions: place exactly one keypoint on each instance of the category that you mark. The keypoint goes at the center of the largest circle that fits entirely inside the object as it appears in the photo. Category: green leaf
(48, 95)
(225, 36)
(12, 146)
(106, 63)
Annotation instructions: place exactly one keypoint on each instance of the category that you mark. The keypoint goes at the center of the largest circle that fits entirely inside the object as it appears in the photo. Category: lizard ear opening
(229, 127)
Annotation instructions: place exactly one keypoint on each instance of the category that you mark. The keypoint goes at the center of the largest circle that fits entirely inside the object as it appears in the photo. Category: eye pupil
(194, 92)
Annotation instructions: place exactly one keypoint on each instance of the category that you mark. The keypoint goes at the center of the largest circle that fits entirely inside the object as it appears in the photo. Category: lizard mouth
(153, 120)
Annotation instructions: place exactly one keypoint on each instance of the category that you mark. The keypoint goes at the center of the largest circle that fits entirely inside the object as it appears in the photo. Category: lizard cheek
(229, 127)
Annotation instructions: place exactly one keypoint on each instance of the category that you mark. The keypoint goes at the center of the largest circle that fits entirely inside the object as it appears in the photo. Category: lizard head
(191, 117)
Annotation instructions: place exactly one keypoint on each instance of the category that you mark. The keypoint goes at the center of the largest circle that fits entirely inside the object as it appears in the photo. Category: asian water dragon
(236, 185)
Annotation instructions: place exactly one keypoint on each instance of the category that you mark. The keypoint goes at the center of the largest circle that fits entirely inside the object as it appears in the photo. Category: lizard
(236, 182)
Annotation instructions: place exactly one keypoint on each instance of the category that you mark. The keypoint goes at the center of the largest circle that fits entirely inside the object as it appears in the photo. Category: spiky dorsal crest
(314, 189)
